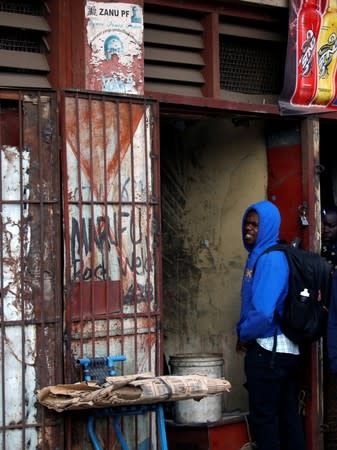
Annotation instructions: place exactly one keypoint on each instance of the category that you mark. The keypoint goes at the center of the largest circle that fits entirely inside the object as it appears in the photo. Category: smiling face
(251, 228)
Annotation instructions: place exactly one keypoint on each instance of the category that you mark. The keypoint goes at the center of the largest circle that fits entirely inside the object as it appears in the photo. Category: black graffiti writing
(87, 191)
(103, 233)
(139, 264)
(142, 292)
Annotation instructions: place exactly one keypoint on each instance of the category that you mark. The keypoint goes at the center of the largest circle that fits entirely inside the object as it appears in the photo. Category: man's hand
(241, 347)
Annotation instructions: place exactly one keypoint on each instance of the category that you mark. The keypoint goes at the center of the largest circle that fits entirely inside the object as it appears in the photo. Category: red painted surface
(106, 295)
(227, 436)
(285, 187)
(61, 60)
(230, 436)
(211, 71)
(288, 187)
(9, 125)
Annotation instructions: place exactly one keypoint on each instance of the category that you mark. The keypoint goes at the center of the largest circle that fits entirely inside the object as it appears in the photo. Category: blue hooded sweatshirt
(264, 287)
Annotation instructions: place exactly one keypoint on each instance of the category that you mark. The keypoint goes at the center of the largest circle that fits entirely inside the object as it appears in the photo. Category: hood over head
(269, 226)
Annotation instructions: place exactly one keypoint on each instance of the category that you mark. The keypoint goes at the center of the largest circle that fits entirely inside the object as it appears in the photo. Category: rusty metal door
(30, 269)
(112, 246)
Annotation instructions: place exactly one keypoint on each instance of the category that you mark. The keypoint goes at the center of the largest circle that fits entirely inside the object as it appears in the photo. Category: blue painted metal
(118, 412)
(107, 364)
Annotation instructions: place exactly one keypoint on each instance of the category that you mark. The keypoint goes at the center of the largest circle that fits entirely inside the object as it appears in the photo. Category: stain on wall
(211, 170)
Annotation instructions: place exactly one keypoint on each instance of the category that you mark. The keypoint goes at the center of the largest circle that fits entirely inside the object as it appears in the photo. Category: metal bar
(92, 226)
(2, 324)
(106, 230)
(80, 216)
(29, 202)
(66, 218)
(105, 253)
(119, 240)
(149, 234)
(23, 338)
(9, 323)
(157, 236)
(133, 243)
(42, 271)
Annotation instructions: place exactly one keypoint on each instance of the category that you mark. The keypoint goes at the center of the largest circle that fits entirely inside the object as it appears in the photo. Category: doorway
(212, 168)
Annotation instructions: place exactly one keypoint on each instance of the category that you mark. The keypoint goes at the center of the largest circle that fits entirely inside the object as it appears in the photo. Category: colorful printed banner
(114, 57)
(310, 74)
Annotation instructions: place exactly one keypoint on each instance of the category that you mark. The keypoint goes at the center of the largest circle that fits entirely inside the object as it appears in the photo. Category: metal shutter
(172, 45)
(23, 47)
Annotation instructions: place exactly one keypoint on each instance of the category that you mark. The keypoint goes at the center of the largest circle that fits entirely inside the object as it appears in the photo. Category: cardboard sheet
(135, 389)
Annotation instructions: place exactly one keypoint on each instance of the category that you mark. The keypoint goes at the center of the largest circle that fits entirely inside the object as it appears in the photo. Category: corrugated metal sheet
(112, 222)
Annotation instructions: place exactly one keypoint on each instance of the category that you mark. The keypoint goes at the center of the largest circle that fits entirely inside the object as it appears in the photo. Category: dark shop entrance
(212, 168)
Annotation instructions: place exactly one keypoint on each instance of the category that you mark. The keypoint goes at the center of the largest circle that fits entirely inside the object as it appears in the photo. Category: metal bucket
(208, 409)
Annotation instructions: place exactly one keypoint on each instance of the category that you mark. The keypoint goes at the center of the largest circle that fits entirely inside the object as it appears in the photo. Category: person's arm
(332, 326)
(270, 285)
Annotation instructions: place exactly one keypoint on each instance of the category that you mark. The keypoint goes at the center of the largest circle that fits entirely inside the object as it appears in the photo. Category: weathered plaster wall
(211, 171)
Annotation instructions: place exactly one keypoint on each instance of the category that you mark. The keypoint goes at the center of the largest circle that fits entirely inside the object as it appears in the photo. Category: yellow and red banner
(310, 72)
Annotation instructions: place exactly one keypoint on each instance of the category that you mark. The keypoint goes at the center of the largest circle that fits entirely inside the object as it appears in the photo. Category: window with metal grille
(251, 66)
(23, 7)
(20, 40)
(23, 47)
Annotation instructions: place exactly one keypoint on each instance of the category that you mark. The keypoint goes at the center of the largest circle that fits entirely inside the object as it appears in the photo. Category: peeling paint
(19, 343)
(111, 242)
(115, 47)
(110, 232)
(15, 232)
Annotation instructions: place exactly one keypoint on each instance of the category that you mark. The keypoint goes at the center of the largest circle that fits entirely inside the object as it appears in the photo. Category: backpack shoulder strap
(272, 248)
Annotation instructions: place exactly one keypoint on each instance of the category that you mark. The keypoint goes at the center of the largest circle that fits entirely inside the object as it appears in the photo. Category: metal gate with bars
(108, 301)
(112, 244)
(30, 269)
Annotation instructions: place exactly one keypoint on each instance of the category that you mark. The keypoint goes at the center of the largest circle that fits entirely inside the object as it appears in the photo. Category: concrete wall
(212, 169)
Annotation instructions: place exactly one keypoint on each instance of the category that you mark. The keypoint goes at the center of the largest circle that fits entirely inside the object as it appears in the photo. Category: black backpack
(305, 308)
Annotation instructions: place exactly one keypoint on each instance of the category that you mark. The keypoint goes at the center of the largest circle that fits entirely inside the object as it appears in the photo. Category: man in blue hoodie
(271, 359)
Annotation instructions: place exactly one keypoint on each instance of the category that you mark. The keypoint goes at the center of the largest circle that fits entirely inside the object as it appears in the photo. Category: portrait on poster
(114, 57)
